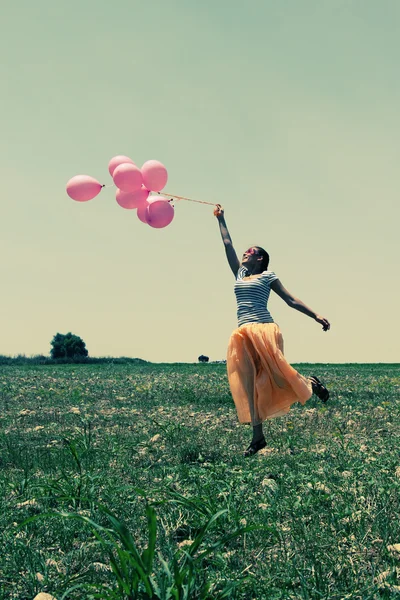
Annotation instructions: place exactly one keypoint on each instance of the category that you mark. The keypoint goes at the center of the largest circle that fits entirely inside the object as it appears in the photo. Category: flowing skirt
(262, 382)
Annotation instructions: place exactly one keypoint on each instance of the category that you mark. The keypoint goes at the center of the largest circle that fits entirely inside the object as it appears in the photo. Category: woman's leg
(243, 364)
(248, 367)
(257, 433)
(258, 442)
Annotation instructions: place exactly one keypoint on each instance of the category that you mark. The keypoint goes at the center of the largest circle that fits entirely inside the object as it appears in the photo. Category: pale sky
(286, 112)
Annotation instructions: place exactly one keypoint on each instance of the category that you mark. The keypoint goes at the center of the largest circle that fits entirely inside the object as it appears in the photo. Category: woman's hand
(324, 322)
(218, 211)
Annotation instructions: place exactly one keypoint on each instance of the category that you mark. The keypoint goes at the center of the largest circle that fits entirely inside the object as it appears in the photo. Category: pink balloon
(132, 199)
(127, 177)
(160, 212)
(155, 175)
(116, 161)
(142, 212)
(83, 188)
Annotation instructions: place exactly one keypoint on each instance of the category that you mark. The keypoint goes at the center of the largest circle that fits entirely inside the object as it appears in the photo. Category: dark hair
(265, 260)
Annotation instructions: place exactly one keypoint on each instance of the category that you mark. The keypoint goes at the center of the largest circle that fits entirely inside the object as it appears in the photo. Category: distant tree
(68, 346)
(203, 358)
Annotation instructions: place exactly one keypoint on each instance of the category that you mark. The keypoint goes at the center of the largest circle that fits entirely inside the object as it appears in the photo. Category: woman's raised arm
(297, 304)
(226, 238)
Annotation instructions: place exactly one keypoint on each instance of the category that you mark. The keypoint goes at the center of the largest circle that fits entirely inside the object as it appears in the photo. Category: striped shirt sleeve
(271, 276)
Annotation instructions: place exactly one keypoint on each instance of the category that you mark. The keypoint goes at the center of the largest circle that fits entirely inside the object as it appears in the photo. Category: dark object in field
(319, 389)
(203, 358)
(68, 346)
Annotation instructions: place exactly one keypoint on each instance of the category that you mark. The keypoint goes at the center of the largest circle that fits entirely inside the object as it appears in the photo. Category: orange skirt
(262, 382)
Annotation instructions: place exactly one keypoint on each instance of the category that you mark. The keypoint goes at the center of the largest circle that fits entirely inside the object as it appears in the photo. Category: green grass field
(129, 482)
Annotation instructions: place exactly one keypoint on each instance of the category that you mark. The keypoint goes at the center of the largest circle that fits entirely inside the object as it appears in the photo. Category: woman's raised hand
(324, 322)
(218, 211)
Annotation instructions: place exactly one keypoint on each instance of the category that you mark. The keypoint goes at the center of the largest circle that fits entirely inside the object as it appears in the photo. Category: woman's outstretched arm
(296, 303)
(226, 238)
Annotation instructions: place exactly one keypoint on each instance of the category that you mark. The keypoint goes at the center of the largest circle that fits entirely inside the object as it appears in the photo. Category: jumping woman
(263, 384)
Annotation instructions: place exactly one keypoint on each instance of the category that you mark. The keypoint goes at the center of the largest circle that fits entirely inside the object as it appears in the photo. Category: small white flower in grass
(39, 577)
(31, 502)
(382, 576)
(270, 484)
(50, 562)
(377, 541)
(345, 520)
(320, 487)
(155, 438)
(25, 412)
(346, 474)
(267, 451)
(223, 494)
(75, 410)
(243, 522)
(101, 567)
(52, 443)
(263, 506)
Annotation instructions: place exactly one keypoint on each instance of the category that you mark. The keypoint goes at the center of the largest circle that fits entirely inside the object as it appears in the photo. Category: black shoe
(255, 447)
(319, 389)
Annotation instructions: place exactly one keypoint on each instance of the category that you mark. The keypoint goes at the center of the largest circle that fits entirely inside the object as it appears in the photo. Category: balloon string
(188, 199)
(172, 196)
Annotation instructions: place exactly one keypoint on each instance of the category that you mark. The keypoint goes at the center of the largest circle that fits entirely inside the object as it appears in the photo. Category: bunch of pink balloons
(133, 189)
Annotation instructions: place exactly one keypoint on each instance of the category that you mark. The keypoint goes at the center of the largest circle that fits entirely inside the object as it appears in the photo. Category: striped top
(252, 297)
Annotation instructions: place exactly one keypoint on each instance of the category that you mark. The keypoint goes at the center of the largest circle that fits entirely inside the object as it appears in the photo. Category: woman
(262, 382)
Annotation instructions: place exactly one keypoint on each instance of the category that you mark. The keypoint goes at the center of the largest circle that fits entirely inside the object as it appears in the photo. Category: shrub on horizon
(68, 346)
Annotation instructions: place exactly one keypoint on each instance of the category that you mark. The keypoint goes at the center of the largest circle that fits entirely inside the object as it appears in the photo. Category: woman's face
(251, 257)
